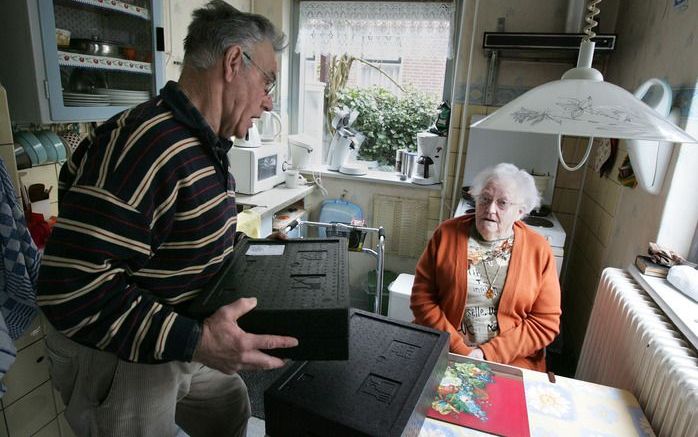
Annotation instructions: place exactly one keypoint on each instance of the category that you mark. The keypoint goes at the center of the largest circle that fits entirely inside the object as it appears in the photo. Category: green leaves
(388, 121)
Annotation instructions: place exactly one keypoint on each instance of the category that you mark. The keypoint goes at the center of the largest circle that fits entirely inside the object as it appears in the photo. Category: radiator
(631, 344)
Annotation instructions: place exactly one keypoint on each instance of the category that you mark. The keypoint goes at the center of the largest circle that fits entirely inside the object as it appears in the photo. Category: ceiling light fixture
(582, 104)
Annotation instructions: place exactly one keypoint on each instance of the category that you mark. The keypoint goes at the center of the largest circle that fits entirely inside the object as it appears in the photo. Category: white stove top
(548, 226)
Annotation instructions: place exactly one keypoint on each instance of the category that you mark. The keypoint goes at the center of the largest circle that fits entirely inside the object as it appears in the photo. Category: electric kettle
(269, 126)
(252, 139)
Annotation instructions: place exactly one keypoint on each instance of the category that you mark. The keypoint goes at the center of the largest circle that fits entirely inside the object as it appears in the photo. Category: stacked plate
(84, 99)
(124, 97)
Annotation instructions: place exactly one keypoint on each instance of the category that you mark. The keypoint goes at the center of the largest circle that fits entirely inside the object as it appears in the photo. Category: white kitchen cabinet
(46, 83)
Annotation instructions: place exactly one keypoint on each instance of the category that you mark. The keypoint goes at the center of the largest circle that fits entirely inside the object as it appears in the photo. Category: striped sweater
(146, 217)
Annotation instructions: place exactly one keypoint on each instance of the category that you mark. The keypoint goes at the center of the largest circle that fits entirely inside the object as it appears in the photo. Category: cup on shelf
(293, 178)
(62, 38)
(128, 53)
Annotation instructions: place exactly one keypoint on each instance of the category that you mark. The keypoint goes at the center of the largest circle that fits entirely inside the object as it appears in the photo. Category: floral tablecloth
(569, 408)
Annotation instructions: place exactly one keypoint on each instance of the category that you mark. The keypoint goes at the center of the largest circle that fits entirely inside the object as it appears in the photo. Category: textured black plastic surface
(384, 389)
(303, 293)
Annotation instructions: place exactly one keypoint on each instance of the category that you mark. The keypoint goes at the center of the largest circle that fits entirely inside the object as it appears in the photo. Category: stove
(546, 225)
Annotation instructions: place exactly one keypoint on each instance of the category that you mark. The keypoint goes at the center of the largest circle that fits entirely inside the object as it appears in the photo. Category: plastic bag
(440, 125)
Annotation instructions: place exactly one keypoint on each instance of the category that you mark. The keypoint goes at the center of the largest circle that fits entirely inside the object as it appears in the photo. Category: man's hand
(226, 347)
(278, 235)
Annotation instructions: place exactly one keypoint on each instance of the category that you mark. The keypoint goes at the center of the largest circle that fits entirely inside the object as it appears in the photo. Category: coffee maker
(430, 149)
(345, 143)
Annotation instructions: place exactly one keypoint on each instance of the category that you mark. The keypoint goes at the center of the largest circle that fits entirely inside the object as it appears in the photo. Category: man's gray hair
(218, 25)
(527, 194)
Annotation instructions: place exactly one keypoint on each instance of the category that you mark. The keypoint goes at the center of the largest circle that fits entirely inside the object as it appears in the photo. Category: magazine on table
(480, 395)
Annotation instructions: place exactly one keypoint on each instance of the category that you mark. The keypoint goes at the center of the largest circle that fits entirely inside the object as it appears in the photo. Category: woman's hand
(477, 353)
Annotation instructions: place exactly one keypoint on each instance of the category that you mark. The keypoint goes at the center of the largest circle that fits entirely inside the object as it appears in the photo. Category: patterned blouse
(488, 263)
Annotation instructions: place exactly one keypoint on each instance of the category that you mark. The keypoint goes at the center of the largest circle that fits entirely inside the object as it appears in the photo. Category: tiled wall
(656, 39)
(617, 222)
(586, 256)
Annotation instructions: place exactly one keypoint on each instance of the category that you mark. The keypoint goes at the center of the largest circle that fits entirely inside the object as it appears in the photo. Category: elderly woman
(488, 280)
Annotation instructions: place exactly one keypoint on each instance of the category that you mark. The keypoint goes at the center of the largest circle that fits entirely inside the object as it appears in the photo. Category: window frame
(295, 63)
(693, 252)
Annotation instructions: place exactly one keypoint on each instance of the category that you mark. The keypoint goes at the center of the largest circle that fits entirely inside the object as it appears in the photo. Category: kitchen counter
(269, 202)
(374, 176)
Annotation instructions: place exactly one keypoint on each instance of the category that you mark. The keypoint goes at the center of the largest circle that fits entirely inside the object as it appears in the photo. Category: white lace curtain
(375, 29)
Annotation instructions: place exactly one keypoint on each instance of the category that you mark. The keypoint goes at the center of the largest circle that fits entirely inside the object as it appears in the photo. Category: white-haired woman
(490, 281)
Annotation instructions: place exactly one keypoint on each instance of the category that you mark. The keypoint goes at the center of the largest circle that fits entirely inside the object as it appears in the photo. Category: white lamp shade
(586, 108)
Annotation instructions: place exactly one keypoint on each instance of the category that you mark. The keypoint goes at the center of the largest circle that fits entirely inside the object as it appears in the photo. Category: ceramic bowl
(56, 143)
(33, 147)
(21, 157)
(49, 146)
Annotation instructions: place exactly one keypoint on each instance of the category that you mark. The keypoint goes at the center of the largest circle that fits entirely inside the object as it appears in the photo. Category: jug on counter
(269, 125)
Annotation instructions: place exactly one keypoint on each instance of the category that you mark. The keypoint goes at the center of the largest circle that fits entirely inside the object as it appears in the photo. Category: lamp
(582, 104)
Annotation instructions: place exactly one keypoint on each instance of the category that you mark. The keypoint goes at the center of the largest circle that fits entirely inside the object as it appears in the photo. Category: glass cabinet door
(101, 56)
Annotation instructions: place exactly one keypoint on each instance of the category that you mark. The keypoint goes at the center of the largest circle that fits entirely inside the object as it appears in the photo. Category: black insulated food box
(384, 389)
(302, 291)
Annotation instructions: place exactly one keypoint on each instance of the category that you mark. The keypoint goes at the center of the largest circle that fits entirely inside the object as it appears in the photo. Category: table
(567, 407)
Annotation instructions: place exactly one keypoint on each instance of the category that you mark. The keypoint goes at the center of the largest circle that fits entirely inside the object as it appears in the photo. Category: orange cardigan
(529, 307)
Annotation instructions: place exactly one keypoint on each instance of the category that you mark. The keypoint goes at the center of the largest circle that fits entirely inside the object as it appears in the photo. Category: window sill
(372, 176)
(682, 310)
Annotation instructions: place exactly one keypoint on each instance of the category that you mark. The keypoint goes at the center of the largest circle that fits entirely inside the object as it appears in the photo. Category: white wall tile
(50, 430)
(28, 372)
(32, 412)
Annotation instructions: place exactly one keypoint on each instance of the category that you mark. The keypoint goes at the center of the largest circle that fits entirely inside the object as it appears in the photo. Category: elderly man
(146, 218)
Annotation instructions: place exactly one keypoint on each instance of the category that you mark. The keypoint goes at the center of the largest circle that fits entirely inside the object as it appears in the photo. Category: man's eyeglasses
(271, 81)
(502, 204)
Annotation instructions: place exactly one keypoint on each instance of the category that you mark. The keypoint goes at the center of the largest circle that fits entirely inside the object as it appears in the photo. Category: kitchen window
(402, 47)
